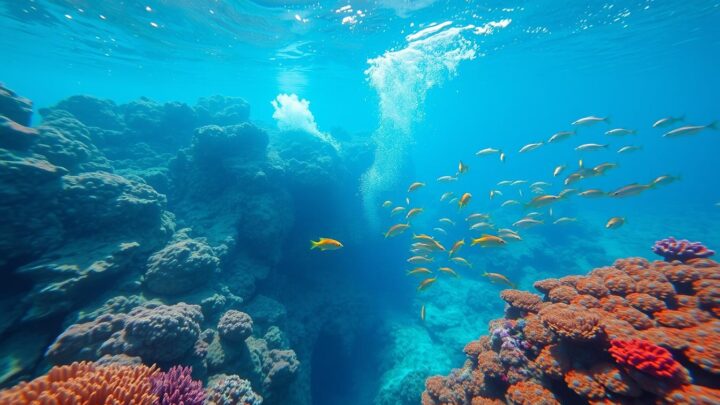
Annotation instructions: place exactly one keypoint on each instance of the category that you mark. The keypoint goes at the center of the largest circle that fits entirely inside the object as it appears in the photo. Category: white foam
(489, 27)
(293, 114)
(427, 31)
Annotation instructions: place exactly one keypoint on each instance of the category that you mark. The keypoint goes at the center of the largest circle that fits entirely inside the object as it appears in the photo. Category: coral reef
(235, 326)
(682, 250)
(176, 386)
(631, 332)
(230, 390)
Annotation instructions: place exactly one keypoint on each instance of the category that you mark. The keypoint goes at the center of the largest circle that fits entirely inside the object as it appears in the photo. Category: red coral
(644, 356)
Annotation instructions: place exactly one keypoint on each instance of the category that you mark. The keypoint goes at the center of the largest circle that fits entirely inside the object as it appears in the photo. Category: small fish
(615, 222)
(422, 312)
(511, 237)
(510, 202)
(446, 195)
(540, 184)
(481, 225)
(447, 221)
(621, 132)
(464, 200)
(415, 186)
(690, 130)
(573, 178)
(462, 168)
(506, 230)
(446, 179)
(542, 200)
(558, 170)
(419, 259)
(448, 270)
(592, 193)
(498, 278)
(493, 193)
(566, 192)
(387, 204)
(460, 260)
(505, 183)
(456, 246)
(564, 220)
(590, 120)
(559, 136)
(667, 121)
(419, 270)
(629, 190)
(453, 201)
(325, 244)
(487, 151)
(423, 237)
(407, 200)
(533, 214)
(397, 210)
(531, 146)
(664, 180)
(413, 212)
(591, 147)
(396, 230)
(526, 223)
(600, 169)
(518, 182)
(629, 148)
(425, 283)
(520, 192)
(537, 190)
(502, 157)
(440, 230)
(486, 240)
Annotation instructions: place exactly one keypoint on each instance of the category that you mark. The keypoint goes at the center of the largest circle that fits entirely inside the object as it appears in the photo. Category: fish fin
(485, 234)
(713, 125)
(314, 244)
(607, 119)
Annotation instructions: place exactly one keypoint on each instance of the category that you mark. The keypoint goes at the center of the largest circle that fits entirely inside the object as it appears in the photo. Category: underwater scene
(348, 202)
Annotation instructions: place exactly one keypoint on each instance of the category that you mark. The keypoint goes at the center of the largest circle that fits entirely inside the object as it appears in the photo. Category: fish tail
(713, 125)
(607, 119)
(314, 244)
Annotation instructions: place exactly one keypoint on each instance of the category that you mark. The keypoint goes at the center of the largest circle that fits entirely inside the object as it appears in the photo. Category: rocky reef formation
(634, 332)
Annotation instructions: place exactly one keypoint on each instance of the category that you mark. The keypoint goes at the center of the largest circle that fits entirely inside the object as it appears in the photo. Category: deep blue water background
(637, 68)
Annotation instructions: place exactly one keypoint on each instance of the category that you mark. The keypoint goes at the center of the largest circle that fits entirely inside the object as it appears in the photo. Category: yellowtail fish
(592, 193)
(589, 147)
(526, 223)
(559, 136)
(615, 222)
(413, 212)
(460, 260)
(621, 132)
(487, 151)
(464, 200)
(511, 237)
(600, 169)
(419, 259)
(498, 278)
(540, 184)
(510, 202)
(572, 178)
(397, 210)
(502, 157)
(325, 244)
(481, 225)
(448, 270)
(566, 192)
(387, 204)
(426, 283)
(447, 221)
(530, 147)
(505, 183)
(419, 270)
(440, 230)
(423, 237)
(518, 182)
(446, 195)
(422, 313)
(590, 120)
(664, 180)
(564, 220)
(542, 200)
(630, 190)
(690, 130)
(488, 241)
(415, 186)
(396, 230)
(456, 246)
(629, 148)
(667, 121)
(558, 170)
(446, 179)
(462, 168)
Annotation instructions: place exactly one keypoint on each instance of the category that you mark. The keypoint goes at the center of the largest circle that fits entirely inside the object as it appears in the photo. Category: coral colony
(681, 250)
(635, 332)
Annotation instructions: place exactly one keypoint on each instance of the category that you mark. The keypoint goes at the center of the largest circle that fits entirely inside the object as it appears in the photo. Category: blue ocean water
(358, 100)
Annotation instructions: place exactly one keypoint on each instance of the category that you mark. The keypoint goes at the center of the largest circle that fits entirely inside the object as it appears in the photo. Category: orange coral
(708, 292)
(656, 288)
(584, 384)
(544, 286)
(592, 286)
(645, 302)
(572, 322)
(620, 284)
(85, 383)
(691, 395)
(530, 393)
(587, 301)
(553, 362)
(536, 333)
(634, 317)
(675, 319)
(563, 293)
(615, 380)
(666, 337)
(679, 273)
(522, 300)
(486, 401)
(489, 363)
(611, 302)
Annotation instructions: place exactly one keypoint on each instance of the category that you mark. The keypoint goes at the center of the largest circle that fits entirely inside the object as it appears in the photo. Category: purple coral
(682, 250)
(176, 387)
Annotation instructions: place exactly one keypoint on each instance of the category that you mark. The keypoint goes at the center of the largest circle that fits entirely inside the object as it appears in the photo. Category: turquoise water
(374, 96)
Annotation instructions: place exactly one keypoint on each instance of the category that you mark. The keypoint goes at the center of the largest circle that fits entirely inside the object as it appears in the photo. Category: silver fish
(591, 120)
(530, 146)
(667, 121)
(690, 129)
(591, 147)
(621, 131)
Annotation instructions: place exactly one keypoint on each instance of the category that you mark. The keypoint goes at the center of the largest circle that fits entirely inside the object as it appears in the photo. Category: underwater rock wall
(154, 233)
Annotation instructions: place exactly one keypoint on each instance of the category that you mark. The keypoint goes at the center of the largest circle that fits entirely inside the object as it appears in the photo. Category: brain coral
(634, 342)
(235, 326)
(181, 266)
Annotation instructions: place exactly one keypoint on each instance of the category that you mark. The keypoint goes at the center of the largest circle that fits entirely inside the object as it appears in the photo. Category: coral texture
(644, 356)
(235, 326)
(231, 390)
(682, 250)
(176, 387)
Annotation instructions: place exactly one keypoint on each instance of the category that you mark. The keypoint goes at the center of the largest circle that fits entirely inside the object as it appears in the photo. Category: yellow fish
(542, 200)
(415, 186)
(424, 237)
(419, 259)
(498, 278)
(422, 313)
(425, 283)
(593, 192)
(488, 240)
(449, 271)
(464, 200)
(387, 204)
(462, 168)
(419, 270)
(447, 221)
(325, 244)
(460, 260)
(456, 246)
(396, 230)
(615, 222)
(413, 212)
